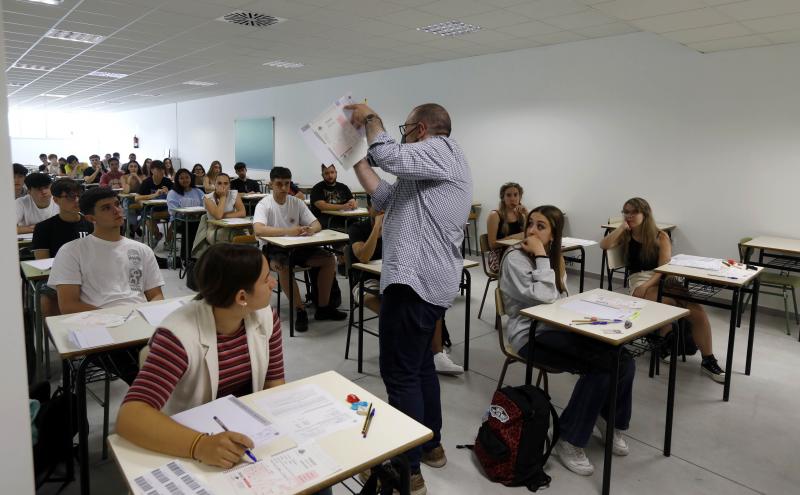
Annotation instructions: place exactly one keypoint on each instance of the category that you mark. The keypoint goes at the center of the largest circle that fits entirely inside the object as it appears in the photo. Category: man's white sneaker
(573, 458)
(445, 365)
(619, 446)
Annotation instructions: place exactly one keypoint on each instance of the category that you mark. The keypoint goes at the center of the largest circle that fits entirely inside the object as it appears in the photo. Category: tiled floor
(747, 445)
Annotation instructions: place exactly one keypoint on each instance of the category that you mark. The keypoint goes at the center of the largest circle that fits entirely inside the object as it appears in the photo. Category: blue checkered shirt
(426, 210)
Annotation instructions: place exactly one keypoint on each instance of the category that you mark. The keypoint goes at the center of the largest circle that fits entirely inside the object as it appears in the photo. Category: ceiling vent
(250, 19)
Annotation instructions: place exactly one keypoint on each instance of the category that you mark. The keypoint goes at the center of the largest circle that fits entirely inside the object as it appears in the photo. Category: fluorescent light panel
(147, 95)
(199, 83)
(283, 64)
(46, 2)
(53, 95)
(110, 75)
(60, 34)
(450, 28)
(38, 67)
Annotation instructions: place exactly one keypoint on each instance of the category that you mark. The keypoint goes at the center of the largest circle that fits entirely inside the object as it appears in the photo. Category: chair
(473, 218)
(615, 261)
(782, 281)
(490, 275)
(245, 239)
(508, 351)
(352, 283)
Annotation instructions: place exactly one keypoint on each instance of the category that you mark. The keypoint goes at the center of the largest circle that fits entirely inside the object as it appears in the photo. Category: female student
(210, 180)
(131, 181)
(533, 273)
(184, 195)
(231, 320)
(644, 248)
(169, 170)
(146, 167)
(508, 220)
(198, 174)
(222, 203)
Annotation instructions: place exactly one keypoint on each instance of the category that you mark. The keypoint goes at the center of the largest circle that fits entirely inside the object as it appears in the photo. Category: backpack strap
(528, 392)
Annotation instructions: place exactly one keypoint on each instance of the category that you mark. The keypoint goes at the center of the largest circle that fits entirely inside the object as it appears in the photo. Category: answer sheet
(158, 312)
(88, 337)
(331, 135)
(169, 479)
(93, 319)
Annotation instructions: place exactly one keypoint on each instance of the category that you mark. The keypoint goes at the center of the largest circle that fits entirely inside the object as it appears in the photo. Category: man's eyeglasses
(72, 196)
(407, 127)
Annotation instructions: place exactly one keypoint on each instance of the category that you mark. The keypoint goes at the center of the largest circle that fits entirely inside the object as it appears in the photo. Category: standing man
(426, 210)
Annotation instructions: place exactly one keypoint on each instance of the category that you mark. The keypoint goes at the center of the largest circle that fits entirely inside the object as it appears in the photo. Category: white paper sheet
(300, 237)
(574, 241)
(615, 302)
(44, 264)
(169, 479)
(157, 313)
(583, 308)
(235, 415)
(308, 412)
(355, 211)
(25, 237)
(238, 221)
(712, 264)
(88, 337)
(286, 472)
(192, 208)
(92, 319)
(331, 136)
(731, 272)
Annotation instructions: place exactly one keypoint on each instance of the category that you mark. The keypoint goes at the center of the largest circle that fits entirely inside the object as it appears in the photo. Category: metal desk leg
(602, 268)
(752, 330)
(673, 367)
(83, 427)
(66, 384)
(731, 339)
(468, 284)
(361, 322)
(610, 420)
(529, 357)
(583, 267)
(291, 292)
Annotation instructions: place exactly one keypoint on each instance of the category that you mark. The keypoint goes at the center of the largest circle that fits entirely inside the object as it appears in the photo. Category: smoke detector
(250, 19)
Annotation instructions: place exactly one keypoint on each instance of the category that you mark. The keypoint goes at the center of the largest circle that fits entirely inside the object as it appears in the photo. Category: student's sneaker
(435, 457)
(619, 445)
(573, 458)
(445, 365)
(666, 354)
(301, 320)
(328, 313)
(710, 367)
(417, 484)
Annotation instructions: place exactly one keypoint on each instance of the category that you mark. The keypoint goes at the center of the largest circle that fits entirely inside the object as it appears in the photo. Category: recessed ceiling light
(147, 94)
(450, 28)
(199, 83)
(283, 64)
(60, 34)
(46, 2)
(42, 68)
(15, 85)
(110, 75)
(53, 95)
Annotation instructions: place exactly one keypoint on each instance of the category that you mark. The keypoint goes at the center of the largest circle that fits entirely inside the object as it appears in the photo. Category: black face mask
(403, 138)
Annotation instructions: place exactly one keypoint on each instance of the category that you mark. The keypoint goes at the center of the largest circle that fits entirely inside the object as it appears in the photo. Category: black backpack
(390, 477)
(336, 293)
(512, 444)
(54, 446)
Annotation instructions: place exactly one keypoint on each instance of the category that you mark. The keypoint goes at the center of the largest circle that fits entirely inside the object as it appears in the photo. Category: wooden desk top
(777, 244)
(651, 317)
(32, 273)
(133, 332)
(319, 239)
(390, 433)
(191, 210)
(668, 227)
(126, 195)
(702, 275)
(24, 239)
(232, 223)
(250, 196)
(375, 266)
(358, 212)
(567, 243)
(155, 202)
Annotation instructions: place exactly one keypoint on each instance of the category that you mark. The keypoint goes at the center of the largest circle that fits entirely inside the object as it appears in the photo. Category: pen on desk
(247, 451)
(129, 315)
(368, 423)
(722, 276)
(366, 418)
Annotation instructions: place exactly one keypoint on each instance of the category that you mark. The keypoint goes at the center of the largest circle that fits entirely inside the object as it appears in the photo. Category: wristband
(194, 445)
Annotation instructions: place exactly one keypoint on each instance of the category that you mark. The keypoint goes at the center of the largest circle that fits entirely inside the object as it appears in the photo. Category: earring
(243, 304)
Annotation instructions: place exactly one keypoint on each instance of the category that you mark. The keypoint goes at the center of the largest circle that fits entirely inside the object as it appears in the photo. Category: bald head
(435, 117)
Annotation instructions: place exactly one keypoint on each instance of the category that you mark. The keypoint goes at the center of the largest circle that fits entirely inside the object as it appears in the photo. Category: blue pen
(247, 451)
(599, 322)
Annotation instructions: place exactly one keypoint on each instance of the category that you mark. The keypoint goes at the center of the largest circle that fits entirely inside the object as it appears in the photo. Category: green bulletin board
(255, 142)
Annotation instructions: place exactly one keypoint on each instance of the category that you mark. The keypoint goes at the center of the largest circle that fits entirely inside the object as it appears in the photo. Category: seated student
(155, 187)
(294, 190)
(644, 248)
(508, 220)
(146, 167)
(210, 179)
(131, 157)
(169, 170)
(241, 183)
(281, 214)
(184, 195)
(49, 235)
(366, 243)
(93, 174)
(112, 178)
(329, 195)
(53, 168)
(37, 205)
(20, 171)
(44, 165)
(105, 269)
(131, 182)
(198, 173)
(533, 273)
(221, 203)
(62, 167)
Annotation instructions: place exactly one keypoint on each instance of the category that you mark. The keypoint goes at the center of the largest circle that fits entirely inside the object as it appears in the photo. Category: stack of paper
(690, 261)
(238, 221)
(89, 337)
(25, 237)
(42, 265)
(157, 313)
(92, 319)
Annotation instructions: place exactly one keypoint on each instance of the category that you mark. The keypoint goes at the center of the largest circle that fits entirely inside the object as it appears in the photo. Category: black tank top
(635, 262)
(513, 227)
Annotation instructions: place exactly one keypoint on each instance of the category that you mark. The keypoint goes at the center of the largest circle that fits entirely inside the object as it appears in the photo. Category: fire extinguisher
(135, 141)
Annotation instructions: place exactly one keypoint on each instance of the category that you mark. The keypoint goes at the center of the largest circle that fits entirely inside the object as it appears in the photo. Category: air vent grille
(251, 19)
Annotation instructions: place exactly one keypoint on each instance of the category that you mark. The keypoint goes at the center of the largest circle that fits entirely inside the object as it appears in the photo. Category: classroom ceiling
(161, 45)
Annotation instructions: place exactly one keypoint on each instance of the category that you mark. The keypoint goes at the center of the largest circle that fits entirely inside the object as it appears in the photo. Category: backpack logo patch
(498, 413)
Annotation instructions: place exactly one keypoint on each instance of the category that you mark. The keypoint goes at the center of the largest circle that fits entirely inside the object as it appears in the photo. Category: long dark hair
(555, 218)
(648, 231)
(177, 187)
(503, 211)
(225, 269)
(128, 168)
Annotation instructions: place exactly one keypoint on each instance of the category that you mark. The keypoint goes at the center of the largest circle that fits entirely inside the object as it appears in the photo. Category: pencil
(369, 422)
(366, 419)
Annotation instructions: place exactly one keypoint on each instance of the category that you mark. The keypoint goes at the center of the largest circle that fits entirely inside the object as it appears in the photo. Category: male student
(43, 166)
(53, 167)
(76, 170)
(20, 171)
(155, 187)
(241, 183)
(112, 178)
(281, 214)
(94, 172)
(105, 269)
(37, 205)
(131, 157)
(329, 195)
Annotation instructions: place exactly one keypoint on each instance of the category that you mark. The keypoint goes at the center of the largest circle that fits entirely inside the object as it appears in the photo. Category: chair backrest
(615, 219)
(615, 257)
(745, 252)
(244, 239)
(500, 311)
(348, 263)
(484, 245)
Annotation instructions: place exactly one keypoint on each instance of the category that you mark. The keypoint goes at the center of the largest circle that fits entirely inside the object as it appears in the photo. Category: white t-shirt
(292, 213)
(30, 214)
(109, 273)
(230, 202)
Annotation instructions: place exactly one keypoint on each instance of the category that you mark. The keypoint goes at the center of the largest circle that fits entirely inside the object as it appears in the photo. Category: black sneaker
(328, 313)
(301, 320)
(711, 368)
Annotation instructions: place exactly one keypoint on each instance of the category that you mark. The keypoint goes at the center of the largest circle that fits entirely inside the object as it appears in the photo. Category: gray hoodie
(525, 282)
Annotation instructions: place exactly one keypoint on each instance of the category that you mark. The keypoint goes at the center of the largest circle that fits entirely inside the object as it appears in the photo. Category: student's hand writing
(223, 449)
(360, 112)
(350, 205)
(534, 246)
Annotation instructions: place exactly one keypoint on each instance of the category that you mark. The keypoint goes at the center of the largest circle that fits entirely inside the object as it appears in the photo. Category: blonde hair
(649, 232)
(503, 211)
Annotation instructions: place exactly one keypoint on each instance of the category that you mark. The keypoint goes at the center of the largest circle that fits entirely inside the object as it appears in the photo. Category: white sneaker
(445, 365)
(619, 445)
(573, 458)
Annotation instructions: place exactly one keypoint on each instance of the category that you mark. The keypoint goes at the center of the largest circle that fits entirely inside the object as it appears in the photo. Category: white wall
(16, 468)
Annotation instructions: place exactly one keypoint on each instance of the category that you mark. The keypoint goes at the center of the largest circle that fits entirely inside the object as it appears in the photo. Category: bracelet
(194, 445)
